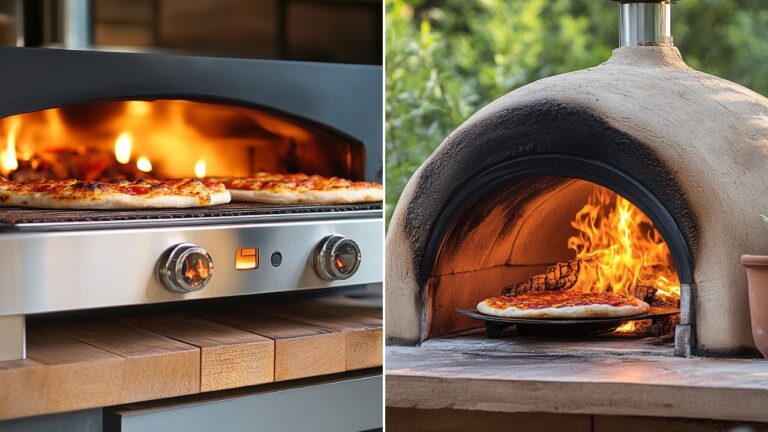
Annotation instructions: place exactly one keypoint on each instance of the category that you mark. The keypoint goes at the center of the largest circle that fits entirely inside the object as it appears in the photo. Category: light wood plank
(301, 349)
(20, 385)
(230, 357)
(450, 420)
(363, 332)
(79, 375)
(365, 349)
(155, 366)
(645, 424)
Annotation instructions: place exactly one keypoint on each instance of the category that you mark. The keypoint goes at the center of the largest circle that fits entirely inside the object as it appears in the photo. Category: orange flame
(8, 157)
(200, 168)
(123, 147)
(143, 164)
(620, 249)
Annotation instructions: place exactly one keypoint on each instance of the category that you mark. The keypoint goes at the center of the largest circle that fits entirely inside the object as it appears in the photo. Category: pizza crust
(107, 202)
(587, 311)
(329, 197)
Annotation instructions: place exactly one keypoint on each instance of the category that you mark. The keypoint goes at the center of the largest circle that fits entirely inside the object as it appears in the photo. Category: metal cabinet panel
(351, 404)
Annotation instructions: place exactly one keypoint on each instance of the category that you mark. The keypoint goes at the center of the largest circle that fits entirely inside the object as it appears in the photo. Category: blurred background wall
(448, 58)
(343, 31)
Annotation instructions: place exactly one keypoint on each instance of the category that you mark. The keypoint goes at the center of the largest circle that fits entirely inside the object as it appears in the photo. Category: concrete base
(446, 420)
(607, 377)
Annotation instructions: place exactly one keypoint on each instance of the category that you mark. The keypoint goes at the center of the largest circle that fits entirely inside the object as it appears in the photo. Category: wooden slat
(155, 366)
(363, 332)
(79, 375)
(20, 382)
(301, 350)
(230, 357)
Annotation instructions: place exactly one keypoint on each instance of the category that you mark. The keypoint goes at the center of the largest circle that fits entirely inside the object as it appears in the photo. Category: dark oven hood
(346, 99)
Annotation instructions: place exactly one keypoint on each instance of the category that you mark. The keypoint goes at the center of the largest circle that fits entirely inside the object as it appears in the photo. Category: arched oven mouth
(511, 225)
(562, 166)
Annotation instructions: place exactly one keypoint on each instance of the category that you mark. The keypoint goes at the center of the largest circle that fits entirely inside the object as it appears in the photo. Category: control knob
(186, 268)
(336, 257)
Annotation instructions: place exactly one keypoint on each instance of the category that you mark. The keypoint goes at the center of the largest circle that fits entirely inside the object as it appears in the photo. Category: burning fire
(143, 164)
(8, 157)
(620, 249)
(106, 140)
(123, 146)
(200, 168)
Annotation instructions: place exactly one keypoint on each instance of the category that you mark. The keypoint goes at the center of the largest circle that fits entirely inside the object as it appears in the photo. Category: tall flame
(620, 249)
(200, 168)
(9, 161)
(123, 146)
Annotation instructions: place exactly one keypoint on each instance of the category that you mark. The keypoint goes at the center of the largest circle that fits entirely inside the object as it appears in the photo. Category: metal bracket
(13, 341)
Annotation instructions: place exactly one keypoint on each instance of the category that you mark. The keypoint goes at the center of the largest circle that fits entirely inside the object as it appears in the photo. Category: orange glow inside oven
(168, 138)
(528, 234)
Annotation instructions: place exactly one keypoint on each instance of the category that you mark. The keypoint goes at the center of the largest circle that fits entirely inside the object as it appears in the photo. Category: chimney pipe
(643, 23)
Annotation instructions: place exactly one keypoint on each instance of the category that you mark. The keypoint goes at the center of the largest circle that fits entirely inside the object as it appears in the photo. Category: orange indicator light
(247, 259)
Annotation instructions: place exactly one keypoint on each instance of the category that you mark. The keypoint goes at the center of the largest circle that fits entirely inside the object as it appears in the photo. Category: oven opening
(170, 138)
(543, 233)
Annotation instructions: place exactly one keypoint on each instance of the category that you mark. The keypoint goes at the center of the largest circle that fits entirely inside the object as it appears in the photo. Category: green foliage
(445, 59)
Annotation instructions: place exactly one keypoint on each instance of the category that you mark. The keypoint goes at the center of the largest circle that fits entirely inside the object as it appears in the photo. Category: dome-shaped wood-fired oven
(689, 149)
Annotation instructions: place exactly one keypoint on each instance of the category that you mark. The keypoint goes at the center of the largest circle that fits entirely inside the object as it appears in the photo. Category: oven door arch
(567, 166)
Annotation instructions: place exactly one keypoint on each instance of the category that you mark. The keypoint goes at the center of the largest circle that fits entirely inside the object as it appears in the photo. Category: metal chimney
(645, 22)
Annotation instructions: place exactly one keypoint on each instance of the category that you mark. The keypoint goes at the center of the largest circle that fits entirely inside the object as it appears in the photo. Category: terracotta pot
(757, 276)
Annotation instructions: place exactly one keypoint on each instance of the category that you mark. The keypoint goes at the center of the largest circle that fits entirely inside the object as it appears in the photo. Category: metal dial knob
(336, 258)
(185, 268)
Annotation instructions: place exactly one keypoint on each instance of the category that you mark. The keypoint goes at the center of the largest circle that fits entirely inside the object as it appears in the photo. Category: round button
(185, 268)
(336, 258)
(276, 259)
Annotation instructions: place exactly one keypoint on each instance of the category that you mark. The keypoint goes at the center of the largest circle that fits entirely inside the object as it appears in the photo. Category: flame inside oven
(169, 138)
(620, 249)
(8, 156)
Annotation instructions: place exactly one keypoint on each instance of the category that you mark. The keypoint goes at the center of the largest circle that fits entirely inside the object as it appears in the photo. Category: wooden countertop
(566, 376)
(77, 364)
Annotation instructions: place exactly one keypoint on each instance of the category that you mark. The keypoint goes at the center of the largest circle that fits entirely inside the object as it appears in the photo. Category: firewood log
(563, 276)
(558, 277)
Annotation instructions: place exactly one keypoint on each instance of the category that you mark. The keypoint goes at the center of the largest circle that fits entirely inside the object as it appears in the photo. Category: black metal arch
(566, 166)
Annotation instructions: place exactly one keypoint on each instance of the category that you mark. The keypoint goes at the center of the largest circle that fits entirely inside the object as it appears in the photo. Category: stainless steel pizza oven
(89, 115)
(640, 173)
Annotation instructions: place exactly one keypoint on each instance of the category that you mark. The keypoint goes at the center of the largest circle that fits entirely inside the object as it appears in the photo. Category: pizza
(299, 189)
(563, 304)
(112, 194)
